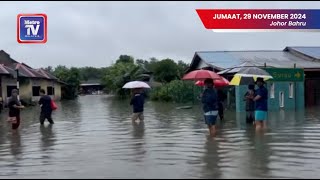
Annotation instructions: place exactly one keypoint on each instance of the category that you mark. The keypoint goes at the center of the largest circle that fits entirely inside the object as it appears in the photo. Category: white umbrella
(135, 84)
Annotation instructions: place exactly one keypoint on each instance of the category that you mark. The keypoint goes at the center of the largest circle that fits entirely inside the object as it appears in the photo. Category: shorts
(139, 115)
(260, 115)
(210, 118)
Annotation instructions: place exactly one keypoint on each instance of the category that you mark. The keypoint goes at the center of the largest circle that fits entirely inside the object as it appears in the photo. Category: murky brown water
(94, 138)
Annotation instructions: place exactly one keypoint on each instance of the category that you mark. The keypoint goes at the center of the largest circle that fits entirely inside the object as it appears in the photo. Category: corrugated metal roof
(313, 52)
(13, 72)
(220, 59)
(280, 59)
(46, 74)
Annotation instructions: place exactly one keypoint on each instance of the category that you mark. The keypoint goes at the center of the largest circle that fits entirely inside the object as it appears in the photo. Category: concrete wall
(26, 88)
(43, 83)
(290, 103)
(6, 81)
(57, 91)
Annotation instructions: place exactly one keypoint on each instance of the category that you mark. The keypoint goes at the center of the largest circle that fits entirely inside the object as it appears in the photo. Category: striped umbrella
(249, 75)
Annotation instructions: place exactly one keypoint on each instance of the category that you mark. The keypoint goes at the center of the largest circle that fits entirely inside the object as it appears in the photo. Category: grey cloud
(95, 33)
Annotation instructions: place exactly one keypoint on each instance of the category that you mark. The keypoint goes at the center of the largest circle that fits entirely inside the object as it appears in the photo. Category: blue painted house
(285, 91)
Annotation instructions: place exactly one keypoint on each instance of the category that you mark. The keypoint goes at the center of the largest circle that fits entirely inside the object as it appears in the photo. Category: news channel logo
(32, 28)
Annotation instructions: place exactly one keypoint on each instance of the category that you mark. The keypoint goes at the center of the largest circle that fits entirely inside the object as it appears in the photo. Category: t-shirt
(137, 102)
(209, 100)
(45, 101)
(262, 103)
(13, 112)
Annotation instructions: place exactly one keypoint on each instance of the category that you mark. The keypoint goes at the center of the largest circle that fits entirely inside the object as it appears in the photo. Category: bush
(177, 91)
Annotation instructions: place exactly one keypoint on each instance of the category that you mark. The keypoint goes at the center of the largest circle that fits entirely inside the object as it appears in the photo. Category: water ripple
(94, 138)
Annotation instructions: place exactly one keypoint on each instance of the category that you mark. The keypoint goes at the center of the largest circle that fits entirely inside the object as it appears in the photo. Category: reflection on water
(93, 137)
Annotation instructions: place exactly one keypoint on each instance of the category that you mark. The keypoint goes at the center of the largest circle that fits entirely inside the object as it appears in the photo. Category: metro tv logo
(32, 28)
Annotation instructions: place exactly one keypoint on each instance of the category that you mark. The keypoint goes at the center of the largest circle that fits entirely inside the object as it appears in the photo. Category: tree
(182, 66)
(125, 59)
(166, 71)
(119, 74)
(87, 73)
(151, 65)
(49, 69)
(141, 62)
(71, 77)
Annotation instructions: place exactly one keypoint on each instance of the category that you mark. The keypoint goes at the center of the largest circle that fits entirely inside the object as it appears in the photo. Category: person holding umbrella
(261, 105)
(137, 102)
(209, 100)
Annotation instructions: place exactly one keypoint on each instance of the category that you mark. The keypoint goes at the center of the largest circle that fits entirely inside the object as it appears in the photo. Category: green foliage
(125, 59)
(177, 91)
(182, 67)
(119, 74)
(71, 77)
(87, 73)
(124, 70)
(49, 69)
(166, 71)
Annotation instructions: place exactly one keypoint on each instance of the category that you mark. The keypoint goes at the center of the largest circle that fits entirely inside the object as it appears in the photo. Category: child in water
(250, 108)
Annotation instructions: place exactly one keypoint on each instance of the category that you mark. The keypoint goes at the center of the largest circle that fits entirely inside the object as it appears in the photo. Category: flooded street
(93, 137)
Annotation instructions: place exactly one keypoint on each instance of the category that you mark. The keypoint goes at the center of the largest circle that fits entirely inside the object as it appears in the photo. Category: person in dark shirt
(261, 105)
(221, 99)
(248, 97)
(137, 103)
(210, 106)
(46, 110)
(14, 109)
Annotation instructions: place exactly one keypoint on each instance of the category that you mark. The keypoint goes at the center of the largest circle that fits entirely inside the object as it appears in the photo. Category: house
(287, 94)
(91, 86)
(30, 80)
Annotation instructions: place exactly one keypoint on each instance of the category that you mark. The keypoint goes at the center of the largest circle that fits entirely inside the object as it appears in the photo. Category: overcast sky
(96, 33)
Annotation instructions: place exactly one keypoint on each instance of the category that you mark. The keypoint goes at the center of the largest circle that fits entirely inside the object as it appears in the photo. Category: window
(50, 90)
(272, 90)
(281, 99)
(9, 89)
(36, 90)
(290, 90)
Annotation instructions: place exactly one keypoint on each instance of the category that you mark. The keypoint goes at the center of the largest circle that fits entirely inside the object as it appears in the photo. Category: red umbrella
(217, 83)
(201, 75)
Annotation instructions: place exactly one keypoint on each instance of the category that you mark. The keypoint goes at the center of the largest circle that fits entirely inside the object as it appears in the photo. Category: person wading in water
(261, 105)
(14, 109)
(46, 110)
(210, 106)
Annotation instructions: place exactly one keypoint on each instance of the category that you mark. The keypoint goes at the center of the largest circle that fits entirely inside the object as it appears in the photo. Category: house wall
(57, 91)
(44, 83)
(294, 103)
(25, 89)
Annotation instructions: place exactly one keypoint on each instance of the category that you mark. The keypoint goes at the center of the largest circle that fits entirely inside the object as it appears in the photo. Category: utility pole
(17, 70)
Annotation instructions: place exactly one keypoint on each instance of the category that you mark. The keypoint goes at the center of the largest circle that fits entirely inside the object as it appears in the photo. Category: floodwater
(93, 137)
